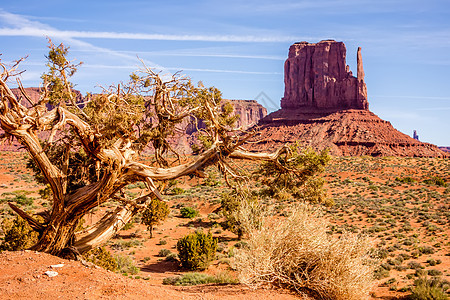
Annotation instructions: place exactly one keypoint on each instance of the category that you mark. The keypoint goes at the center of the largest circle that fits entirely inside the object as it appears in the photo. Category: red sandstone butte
(317, 76)
(325, 106)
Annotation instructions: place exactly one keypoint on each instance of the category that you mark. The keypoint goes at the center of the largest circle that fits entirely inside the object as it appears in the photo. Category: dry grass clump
(297, 253)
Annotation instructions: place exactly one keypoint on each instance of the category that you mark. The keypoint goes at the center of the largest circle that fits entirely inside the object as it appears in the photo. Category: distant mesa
(249, 111)
(446, 149)
(325, 106)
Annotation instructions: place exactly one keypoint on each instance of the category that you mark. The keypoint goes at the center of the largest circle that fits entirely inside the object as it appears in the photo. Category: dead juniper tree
(88, 152)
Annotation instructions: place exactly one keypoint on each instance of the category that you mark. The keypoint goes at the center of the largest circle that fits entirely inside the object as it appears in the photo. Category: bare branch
(30, 220)
(243, 154)
(144, 171)
(24, 93)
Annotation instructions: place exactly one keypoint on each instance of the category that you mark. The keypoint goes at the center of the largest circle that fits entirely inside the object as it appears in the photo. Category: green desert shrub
(435, 181)
(177, 191)
(305, 184)
(23, 200)
(164, 252)
(434, 272)
(200, 278)
(18, 235)
(171, 257)
(381, 273)
(404, 179)
(196, 250)
(121, 244)
(102, 258)
(297, 253)
(429, 289)
(211, 180)
(156, 212)
(188, 212)
(125, 264)
(128, 226)
(426, 250)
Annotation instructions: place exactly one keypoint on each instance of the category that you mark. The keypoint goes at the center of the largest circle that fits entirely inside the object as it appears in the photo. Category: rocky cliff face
(326, 107)
(34, 95)
(32, 92)
(249, 111)
(317, 76)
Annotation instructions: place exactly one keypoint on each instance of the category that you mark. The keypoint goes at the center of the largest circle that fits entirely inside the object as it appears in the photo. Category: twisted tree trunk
(58, 232)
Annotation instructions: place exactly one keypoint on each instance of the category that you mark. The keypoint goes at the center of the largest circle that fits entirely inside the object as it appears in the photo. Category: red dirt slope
(22, 276)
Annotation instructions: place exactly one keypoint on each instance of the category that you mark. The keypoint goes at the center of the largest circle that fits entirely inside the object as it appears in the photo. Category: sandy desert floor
(392, 200)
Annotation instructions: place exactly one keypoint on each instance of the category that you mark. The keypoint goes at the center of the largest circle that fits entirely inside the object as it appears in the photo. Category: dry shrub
(297, 253)
(242, 212)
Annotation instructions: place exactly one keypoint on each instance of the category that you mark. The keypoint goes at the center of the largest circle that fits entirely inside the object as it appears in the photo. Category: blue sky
(240, 47)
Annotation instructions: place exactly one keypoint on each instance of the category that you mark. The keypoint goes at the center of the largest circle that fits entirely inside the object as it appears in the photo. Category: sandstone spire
(360, 69)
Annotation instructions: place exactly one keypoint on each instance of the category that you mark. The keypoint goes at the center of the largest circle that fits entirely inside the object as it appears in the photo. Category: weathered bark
(104, 229)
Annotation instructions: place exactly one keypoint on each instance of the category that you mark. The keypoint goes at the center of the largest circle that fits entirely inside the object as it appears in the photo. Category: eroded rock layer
(349, 132)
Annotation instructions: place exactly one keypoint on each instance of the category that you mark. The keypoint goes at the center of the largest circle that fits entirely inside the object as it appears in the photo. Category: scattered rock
(57, 266)
(51, 273)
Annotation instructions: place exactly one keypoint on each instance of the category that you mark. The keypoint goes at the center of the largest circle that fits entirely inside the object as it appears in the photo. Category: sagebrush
(297, 253)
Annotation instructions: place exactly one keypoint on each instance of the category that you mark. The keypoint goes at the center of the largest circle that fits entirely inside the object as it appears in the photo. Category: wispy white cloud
(434, 108)
(395, 115)
(39, 32)
(98, 66)
(196, 54)
(22, 26)
(26, 27)
(221, 55)
(134, 67)
(19, 21)
(268, 57)
(412, 97)
(324, 6)
(44, 18)
(224, 71)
